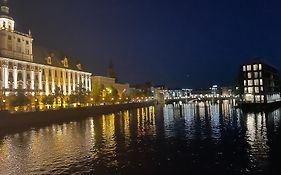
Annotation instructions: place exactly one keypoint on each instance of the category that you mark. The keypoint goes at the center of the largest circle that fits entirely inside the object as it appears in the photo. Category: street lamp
(4, 104)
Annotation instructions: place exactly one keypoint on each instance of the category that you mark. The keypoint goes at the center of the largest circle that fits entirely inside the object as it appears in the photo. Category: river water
(193, 138)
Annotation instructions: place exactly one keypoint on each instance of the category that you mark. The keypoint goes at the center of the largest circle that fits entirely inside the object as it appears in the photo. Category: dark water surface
(195, 139)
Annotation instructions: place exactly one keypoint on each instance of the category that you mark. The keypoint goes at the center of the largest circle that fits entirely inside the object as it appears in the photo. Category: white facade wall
(32, 80)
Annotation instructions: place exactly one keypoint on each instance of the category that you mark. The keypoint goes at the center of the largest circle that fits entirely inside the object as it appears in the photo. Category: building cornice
(43, 65)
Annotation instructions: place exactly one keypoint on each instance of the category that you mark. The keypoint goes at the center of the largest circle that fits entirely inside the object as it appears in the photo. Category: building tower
(13, 44)
(6, 22)
(111, 71)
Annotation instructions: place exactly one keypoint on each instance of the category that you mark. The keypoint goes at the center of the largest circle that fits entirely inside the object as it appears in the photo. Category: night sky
(180, 43)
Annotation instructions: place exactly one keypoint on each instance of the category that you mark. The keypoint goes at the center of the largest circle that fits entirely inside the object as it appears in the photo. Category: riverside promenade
(12, 123)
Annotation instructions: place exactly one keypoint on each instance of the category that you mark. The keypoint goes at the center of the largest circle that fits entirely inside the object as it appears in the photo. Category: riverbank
(12, 123)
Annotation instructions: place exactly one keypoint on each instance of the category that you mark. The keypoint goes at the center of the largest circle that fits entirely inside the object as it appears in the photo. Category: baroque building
(36, 70)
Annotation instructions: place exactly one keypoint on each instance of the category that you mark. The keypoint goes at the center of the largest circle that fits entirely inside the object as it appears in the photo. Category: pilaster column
(69, 82)
(32, 79)
(24, 77)
(47, 92)
(5, 76)
(73, 82)
(90, 83)
(82, 81)
(63, 82)
(78, 81)
(40, 85)
(53, 80)
(15, 77)
(86, 82)
(59, 78)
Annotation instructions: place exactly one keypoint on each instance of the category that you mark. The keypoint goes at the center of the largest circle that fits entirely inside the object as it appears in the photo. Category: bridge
(198, 99)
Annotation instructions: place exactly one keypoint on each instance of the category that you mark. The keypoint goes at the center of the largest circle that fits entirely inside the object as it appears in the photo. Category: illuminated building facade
(36, 70)
(107, 82)
(260, 83)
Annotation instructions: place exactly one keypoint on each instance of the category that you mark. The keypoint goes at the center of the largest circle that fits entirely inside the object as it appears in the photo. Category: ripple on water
(205, 138)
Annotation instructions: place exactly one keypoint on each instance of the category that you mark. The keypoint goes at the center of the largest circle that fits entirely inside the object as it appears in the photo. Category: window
(9, 37)
(249, 75)
(256, 74)
(261, 89)
(250, 82)
(260, 74)
(65, 62)
(257, 90)
(245, 83)
(250, 90)
(27, 43)
(246, 90)
(27, 51)
(79, 66)
(244, 68)
(257, 98)
(249, 68)
(49, 60)
(19, 40)
(255, 67)
(261, 82)
(260, 67)
(256, 82)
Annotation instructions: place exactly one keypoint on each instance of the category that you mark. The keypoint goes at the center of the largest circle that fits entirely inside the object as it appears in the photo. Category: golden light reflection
(108, 133)
(256, 136)
(126, 116)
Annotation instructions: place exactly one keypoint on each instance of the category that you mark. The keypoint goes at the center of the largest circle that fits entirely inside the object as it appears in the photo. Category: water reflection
(199, 136)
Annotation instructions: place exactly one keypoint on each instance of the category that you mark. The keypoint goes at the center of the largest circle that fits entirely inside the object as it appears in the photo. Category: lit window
(49, 60)
(261, 82)
(250, 90)
(249, 68)
(255, 67)
(256, 82)
(65, 62)
(246, 90)
(245, 83)
(260, 67)
(260, 74)
(256, 74)
(261, 89)
(257, 90)
(249, 75)
(262, 98)
(250, 82)
(244, 68)
(257, 98)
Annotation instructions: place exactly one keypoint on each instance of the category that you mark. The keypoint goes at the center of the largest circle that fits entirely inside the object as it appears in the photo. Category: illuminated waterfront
(202, 137)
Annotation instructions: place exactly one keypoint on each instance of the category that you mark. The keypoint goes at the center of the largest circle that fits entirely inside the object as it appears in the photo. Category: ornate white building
(37, 70)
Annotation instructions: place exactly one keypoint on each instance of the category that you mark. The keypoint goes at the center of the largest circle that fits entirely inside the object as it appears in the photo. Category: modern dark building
(260, 82)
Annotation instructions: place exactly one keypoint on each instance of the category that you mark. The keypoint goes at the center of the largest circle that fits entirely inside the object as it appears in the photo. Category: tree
(20, 99)
(97, 90)
(48, 100)
(59, 94)
(111, 94)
